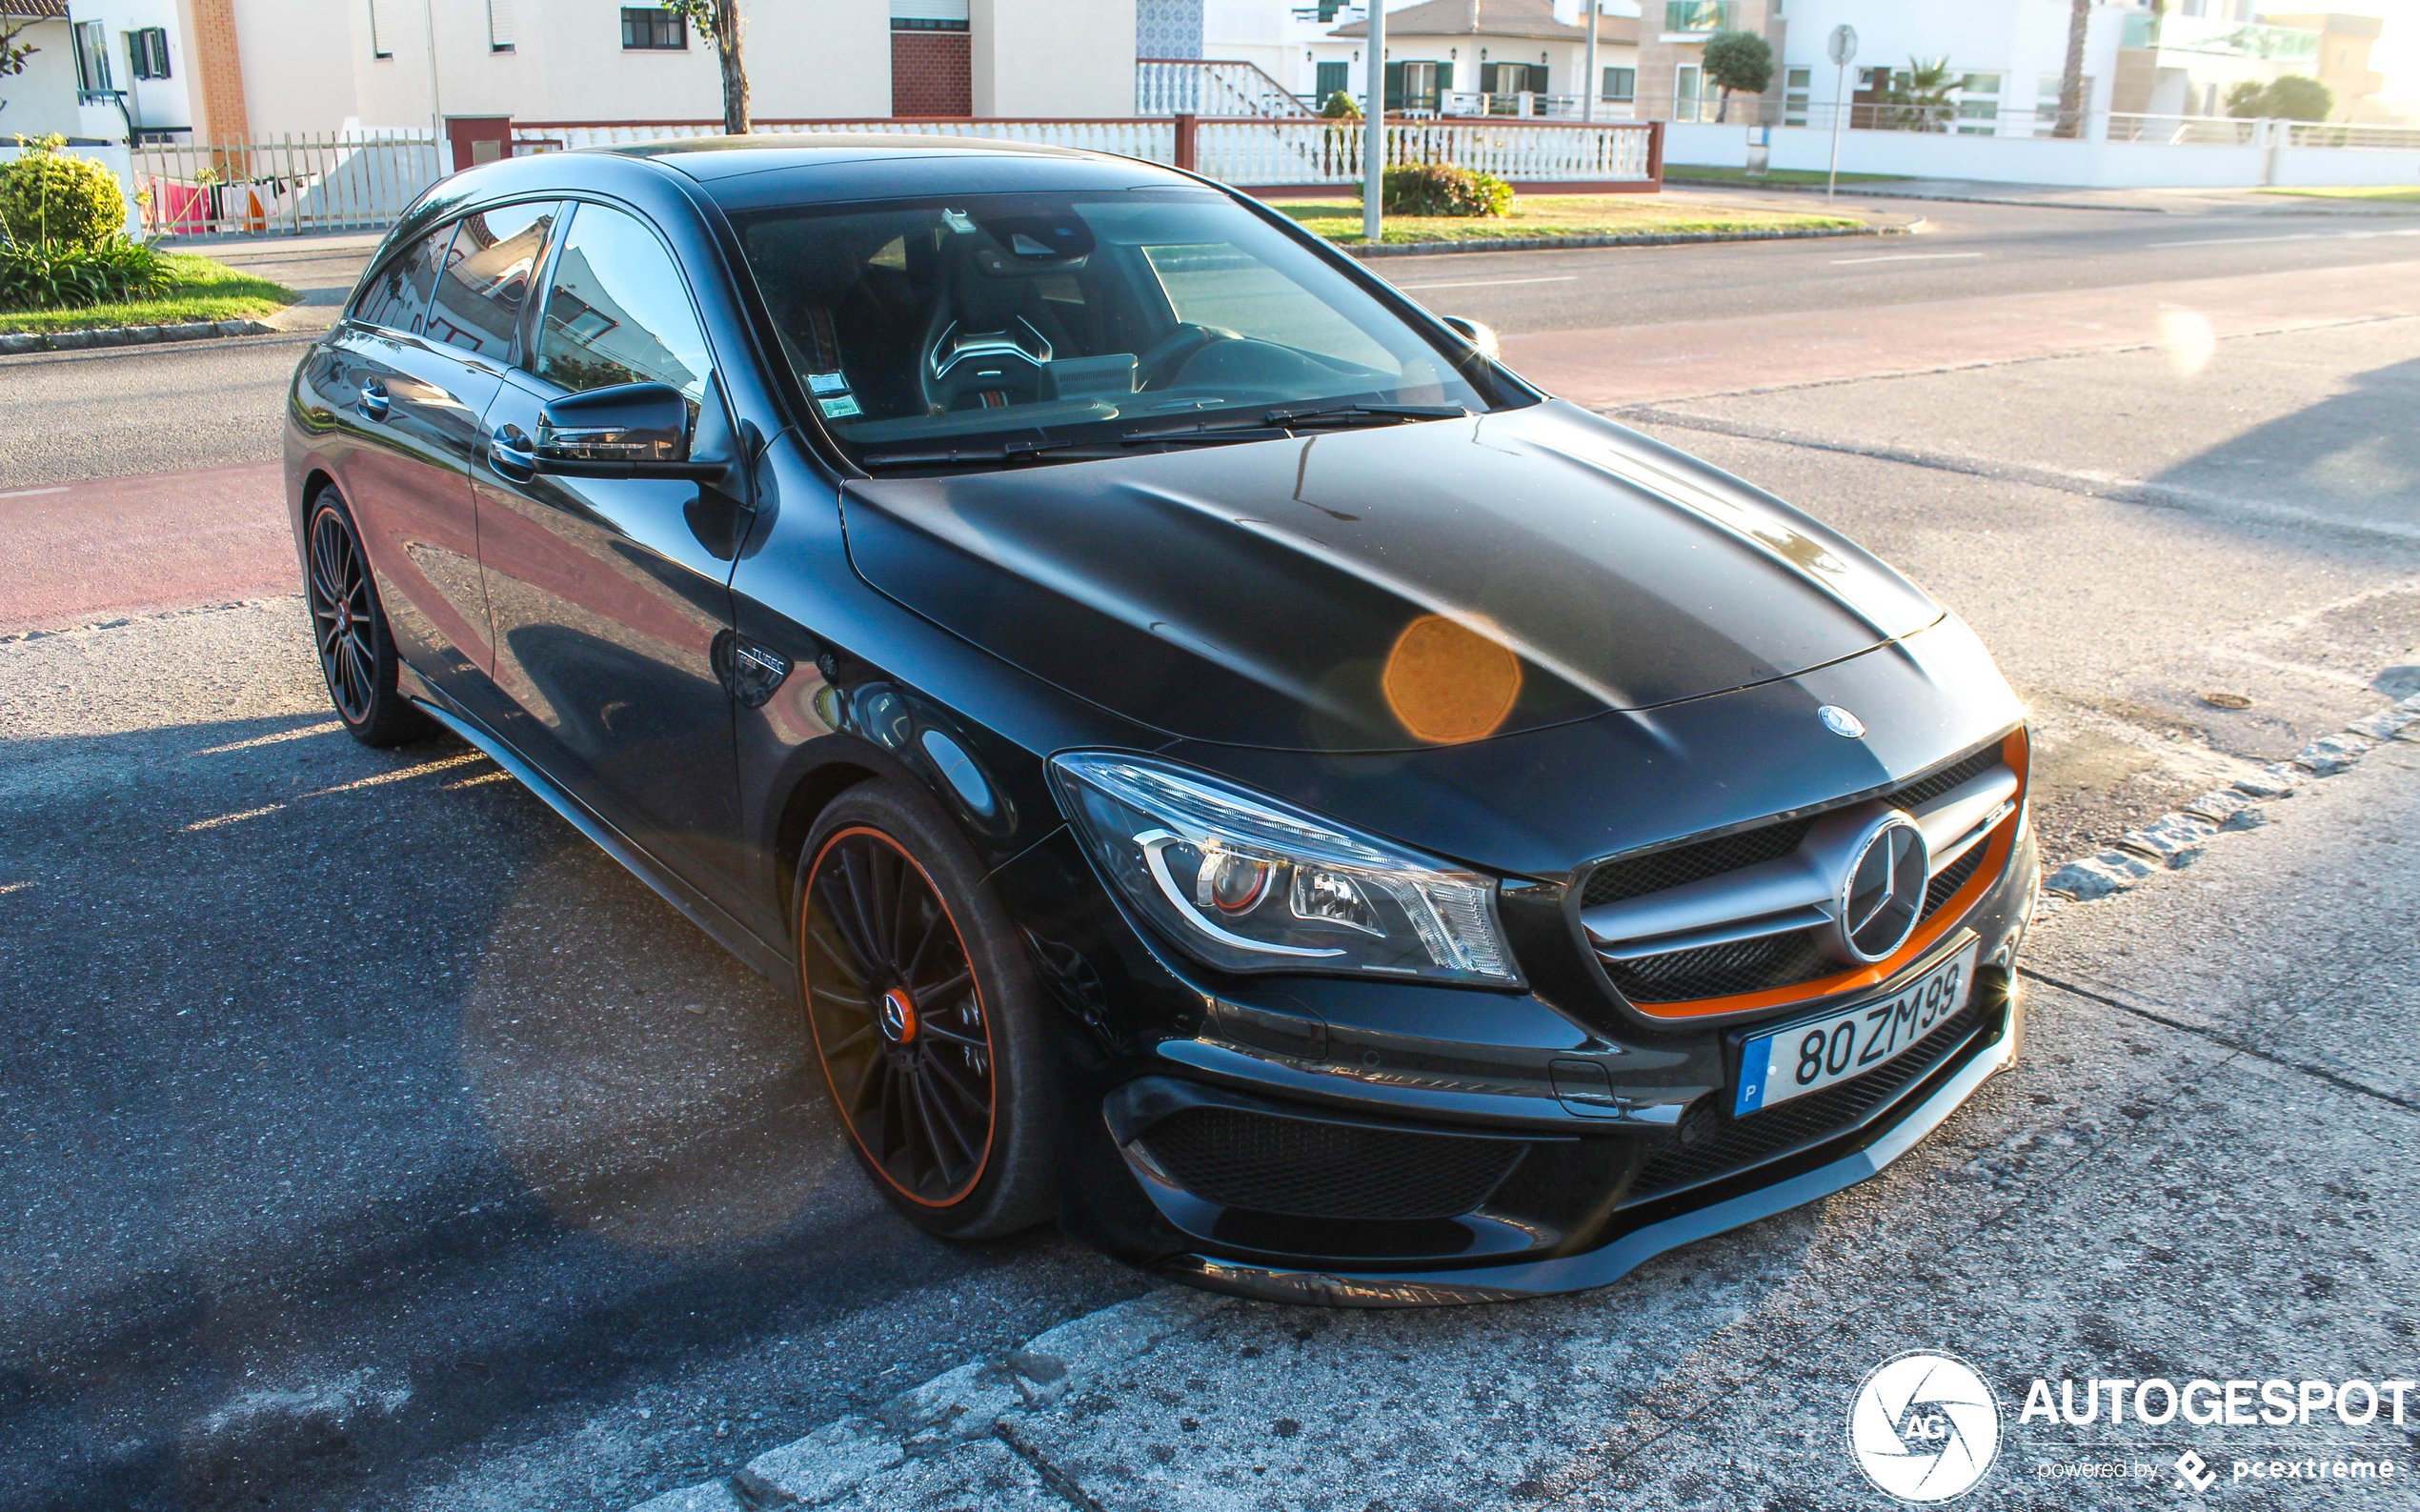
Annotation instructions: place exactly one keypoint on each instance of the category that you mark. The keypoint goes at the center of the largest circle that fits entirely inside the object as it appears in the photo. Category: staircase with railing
(1213, 86)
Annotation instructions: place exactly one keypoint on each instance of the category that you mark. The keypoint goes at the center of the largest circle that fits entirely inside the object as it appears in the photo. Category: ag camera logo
(1923, 1427)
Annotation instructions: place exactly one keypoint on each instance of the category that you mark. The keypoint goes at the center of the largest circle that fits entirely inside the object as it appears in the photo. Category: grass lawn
(1339, 220)
(1683, 172)
(2405, 191)
(198, 290)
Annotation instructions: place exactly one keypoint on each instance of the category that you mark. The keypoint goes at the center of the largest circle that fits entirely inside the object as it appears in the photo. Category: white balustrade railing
(1282, 153)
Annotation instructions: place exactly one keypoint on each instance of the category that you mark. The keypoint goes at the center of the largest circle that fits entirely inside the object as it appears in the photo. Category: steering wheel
(1161, 364)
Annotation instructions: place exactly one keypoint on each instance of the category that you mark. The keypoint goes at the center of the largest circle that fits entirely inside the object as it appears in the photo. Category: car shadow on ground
(360, 1111)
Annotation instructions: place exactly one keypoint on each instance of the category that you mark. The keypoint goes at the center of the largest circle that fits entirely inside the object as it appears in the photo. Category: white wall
(308, 64)
(41, 101)
(2019, 39)
(1052, 58)
(2024, 160)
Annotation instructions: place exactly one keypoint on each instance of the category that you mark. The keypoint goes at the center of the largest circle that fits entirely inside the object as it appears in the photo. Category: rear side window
(399, 296)
(486, 282)
(619, 312)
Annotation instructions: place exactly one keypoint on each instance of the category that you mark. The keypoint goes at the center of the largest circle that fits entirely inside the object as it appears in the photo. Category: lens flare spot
(1448, 682)
(2188, 339)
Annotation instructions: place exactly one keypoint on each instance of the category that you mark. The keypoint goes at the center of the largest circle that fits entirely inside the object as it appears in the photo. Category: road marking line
(1489, 282)
(2305, 235)
(1904, 257)
(28, 492)
(233, 818)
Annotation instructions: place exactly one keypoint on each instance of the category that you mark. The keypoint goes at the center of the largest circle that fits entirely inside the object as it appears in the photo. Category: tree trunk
(2072, 101)
(735, 71)
(1724, 107)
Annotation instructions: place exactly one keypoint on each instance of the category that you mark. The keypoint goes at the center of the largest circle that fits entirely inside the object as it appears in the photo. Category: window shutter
(1395, 86)
(382, 36)
(1444, 78)
(499, 26)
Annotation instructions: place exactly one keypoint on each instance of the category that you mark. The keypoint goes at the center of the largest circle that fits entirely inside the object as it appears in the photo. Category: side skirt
(764, 959)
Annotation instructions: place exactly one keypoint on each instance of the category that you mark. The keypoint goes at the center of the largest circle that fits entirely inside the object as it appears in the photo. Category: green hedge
(1441, 188)
(48, 196)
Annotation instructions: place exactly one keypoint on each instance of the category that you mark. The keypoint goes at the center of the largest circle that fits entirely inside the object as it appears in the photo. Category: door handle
(373, 401)
(511, 456)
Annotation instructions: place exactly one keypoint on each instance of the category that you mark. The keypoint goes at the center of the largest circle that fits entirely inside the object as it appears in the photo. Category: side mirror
(631, 430)
(1483, 337)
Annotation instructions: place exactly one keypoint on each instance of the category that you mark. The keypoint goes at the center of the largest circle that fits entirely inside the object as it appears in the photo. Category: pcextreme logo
(1923, 1427)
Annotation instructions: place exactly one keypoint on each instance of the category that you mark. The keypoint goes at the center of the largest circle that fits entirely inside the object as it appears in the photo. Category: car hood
(1386, 589)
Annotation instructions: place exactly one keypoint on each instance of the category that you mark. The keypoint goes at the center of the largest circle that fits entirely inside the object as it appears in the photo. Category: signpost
(1842, 47)
(1374, 118)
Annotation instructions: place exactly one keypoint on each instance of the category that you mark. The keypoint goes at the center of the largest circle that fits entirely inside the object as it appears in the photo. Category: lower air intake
(1306, 1168)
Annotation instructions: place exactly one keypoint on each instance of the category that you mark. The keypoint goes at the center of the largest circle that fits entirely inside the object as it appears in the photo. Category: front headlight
(1246, 883)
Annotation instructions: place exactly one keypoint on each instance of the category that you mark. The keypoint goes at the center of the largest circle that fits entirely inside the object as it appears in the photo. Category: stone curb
(21, 341)
(851, 1460)
(2176, 841)
(1869, 192)
(1677, 239)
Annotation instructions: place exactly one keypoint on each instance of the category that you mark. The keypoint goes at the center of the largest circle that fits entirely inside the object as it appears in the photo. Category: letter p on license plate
(1813, 1053)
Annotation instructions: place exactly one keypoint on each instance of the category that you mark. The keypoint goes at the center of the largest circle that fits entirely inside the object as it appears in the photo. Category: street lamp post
(1374, 125)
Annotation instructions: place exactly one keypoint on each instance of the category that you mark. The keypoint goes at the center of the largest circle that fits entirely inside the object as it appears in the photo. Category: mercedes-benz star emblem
(1839, 721)
(1883, 894)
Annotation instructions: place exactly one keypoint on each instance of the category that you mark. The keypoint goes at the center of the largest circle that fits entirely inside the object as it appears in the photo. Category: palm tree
(1918, 99)
(2071, 122)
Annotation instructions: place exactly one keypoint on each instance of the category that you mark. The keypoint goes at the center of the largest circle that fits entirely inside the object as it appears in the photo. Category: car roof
(712, 160)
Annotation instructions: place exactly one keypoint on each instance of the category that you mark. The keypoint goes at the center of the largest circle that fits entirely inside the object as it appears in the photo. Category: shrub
(1339, 106)
(50, 275)
(1441, 188)
(2293, 97)
(48, 196)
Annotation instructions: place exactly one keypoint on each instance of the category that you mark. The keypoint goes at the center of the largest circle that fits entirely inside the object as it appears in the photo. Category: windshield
(999, 328)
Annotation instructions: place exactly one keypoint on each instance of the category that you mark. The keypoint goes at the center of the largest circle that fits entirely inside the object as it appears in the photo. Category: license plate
(1813, 1053)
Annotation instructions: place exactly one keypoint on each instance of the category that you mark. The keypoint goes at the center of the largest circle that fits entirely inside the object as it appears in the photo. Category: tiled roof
(39, 10)
(1493, 18)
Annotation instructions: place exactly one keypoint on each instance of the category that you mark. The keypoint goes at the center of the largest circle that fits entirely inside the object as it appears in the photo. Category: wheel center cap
(899, 1016)
(344, 617)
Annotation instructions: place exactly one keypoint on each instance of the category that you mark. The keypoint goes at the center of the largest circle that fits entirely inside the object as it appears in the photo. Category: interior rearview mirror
(631, 430)
(1483, 337)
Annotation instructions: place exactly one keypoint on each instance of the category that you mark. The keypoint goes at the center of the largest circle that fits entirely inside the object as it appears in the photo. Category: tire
(349, 630)
(926, 1017)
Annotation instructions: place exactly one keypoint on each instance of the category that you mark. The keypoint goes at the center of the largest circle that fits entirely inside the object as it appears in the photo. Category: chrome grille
(1751, 912)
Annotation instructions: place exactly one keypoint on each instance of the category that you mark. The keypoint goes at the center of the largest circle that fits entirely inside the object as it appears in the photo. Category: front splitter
(1608, 1262)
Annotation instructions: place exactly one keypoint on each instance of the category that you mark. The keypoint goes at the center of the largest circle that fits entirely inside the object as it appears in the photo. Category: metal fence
(288, 185)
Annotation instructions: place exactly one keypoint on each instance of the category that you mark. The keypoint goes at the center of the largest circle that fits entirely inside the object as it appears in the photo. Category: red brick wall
(218, 72)
(932, 74)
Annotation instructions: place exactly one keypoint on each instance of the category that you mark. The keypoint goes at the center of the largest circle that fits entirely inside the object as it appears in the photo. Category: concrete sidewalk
(2193, 1173)
(323, 269)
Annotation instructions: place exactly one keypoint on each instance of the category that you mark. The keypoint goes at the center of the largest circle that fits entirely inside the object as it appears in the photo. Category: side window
(618, 310)
(399, 295)
(486, 282)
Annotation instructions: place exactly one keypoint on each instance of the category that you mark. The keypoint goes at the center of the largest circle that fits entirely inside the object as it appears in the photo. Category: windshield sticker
(827, 383)
(839, 407)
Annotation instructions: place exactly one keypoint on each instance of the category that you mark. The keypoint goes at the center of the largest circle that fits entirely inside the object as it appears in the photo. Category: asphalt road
(369, 1140)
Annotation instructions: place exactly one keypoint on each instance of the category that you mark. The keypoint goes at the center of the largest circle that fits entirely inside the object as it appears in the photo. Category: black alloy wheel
(357, 653)
(923, 1026)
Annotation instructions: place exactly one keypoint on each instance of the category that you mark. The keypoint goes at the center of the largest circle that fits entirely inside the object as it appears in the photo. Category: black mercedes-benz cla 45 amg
(1220, 760)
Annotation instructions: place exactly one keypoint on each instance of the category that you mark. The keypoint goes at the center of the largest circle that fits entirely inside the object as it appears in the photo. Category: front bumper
(1345, 1143)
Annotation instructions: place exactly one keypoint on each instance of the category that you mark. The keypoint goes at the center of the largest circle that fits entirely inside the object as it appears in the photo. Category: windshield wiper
(1361, 414)
(1276, 425)
(1012, 451)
